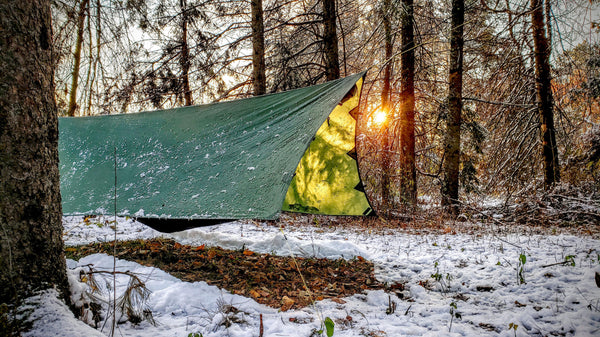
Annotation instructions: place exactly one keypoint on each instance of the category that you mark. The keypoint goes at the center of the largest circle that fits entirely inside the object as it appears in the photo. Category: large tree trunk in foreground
(407, 166)
(259, 79)
(330, 42)
(31, 246)
(453, 121)
(544, 95)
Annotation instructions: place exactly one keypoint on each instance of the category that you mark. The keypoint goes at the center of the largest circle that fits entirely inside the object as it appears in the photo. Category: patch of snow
(50, 317)
(100, 229)
(237, 235)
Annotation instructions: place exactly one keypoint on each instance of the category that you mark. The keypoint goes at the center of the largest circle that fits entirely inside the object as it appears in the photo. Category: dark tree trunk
(96, 61)
(185, 55)
(330, 42)
(407, 168)
(452, 138)
(544, 95)
(77, 58)
(31, 246)
(386, 192)
(387, 71)
(259, 78)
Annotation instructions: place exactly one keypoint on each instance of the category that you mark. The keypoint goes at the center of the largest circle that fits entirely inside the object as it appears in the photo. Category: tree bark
(407, 167)
(451, 165)
(185, 55)
(96, 60)
(545, 102)
(77, 58)
(330, 42)
(259, 78)
(387, 71)
(386, 192)
(31, 246)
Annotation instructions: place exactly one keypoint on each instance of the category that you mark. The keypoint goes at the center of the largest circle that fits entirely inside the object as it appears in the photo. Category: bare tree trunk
(386, 187)
(330, 42)
(343, 38)
(452, 139)
(259, 78)
(77, 58)
(387, 71)
(88, 78)
(407, 166)
(548, 15)
(96, 60)
(31, 246)
(544, 95)
(185, 55)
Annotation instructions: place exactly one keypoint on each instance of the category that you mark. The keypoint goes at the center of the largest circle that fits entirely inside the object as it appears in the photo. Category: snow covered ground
(475, 276)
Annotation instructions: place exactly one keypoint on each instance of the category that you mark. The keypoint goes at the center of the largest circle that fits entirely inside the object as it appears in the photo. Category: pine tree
(330, 40)
(545, 104)
(453, 121)
(407, 164)
(259, 79)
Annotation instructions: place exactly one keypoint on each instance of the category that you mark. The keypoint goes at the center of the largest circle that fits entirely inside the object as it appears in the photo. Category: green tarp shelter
(248, 158)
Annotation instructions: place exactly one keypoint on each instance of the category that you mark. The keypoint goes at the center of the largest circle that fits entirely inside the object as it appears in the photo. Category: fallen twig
(556, 264)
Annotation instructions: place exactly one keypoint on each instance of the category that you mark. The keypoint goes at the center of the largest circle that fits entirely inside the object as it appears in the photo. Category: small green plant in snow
(444, 281)
(436, 276)
(453, 314)
(520, 271)
(570, 260)
(329, 327)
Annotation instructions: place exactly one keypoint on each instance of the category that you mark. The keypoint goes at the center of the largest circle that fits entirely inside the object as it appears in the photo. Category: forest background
(122, 56)
(496, 99)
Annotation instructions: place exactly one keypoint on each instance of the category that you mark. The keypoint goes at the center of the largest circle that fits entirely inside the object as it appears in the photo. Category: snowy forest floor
(483, 276)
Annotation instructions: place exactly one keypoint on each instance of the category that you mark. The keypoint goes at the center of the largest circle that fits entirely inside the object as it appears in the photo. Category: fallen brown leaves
(270, 280)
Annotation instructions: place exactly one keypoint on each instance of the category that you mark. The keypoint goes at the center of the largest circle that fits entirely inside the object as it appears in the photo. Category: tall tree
(81, 15)
(407, 165)
(545, 104)
(259, 79)
(386, 19)
(386, 192)
(330, 41)
(455, 80)
(31, 246)
(184, 57)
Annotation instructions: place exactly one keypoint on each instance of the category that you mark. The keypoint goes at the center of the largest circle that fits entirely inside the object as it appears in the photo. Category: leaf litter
(271, 280)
